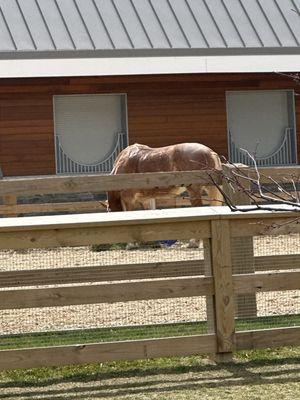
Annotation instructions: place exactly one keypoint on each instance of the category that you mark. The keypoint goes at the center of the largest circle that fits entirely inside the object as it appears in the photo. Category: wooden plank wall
(162, 110)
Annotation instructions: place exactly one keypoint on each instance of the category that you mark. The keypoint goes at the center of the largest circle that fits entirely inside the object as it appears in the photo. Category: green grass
(100, 335)
(274, 321)
(135, 332)
(254, 375)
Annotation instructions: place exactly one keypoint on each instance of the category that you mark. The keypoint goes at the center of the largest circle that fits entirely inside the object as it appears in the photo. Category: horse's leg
(149, 204)
(195, 193)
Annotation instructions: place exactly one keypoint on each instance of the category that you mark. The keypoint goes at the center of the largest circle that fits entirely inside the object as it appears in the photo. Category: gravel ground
(131, 313)
(64, 257)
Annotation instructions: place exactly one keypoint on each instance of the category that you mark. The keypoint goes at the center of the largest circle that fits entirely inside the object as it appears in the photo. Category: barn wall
(162, 110)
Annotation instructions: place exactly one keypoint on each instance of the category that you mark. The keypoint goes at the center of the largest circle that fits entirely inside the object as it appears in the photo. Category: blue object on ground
(168, 242)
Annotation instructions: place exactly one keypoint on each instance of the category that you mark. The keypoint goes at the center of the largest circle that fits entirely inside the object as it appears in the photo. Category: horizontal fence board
(266, 338)
(22, 186)
(277, 262)
(265, 225)
(138, 217)
(279, 174)
(142, 349)
(79, 206)
(265, 282)
(101, 352)
(258, 220)
(83, 236)
(68, 275)
(255, 222)
(74, 206)
(106, 293)
(61, 276)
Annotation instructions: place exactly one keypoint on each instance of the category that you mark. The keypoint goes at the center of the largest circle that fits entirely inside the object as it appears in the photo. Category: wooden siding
(162, 110)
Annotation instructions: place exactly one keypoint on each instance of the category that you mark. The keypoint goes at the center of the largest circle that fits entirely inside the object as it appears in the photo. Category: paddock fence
(13, 189)
(36, 194)
(71, 293)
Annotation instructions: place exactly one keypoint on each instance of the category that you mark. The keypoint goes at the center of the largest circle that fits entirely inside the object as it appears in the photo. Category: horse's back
(141, 158)
(193, 156)
(178, 157)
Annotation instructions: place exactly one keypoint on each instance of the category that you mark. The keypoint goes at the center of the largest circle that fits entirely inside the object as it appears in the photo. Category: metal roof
(108, 28)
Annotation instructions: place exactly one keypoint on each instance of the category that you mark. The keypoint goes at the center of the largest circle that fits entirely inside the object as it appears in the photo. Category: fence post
(246, 305)
(237, 197)
(224, 307)
(10, 200)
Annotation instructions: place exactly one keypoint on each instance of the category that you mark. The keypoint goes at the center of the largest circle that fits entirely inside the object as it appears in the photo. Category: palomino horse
(178, 157)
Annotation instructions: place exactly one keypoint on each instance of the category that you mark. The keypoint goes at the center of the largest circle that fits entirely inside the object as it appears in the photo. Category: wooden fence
(216, 226)
(13, 188)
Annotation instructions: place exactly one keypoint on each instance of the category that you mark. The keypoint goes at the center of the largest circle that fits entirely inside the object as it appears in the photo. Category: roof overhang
(60, 67)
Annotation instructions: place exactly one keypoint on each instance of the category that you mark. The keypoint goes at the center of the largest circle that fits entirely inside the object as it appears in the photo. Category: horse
(139, 158)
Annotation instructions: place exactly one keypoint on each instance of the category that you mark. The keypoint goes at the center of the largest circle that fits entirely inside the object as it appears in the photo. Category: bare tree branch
(261, 197)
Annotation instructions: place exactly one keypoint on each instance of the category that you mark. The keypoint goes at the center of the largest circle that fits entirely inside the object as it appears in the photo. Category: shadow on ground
(158, 381)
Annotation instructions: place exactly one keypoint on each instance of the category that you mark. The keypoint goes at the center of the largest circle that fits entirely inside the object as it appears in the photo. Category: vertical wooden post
(10, 200)
(224, 294)
(237, 197)
(210, 314)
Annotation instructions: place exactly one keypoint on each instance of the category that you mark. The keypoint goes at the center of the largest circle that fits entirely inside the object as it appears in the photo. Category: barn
(82, 79)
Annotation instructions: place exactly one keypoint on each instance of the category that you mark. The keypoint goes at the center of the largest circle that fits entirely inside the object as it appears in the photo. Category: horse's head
(113, 202)
(105, 205)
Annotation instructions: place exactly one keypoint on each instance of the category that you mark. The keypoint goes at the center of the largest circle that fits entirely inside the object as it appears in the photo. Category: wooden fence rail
(121, 272)
(123, 283)
(13, 187)
(22, 186)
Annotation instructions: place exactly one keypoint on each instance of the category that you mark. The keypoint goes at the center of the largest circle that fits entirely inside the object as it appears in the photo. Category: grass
(274, 321)
(137, 332)
(100, 335)
(253, 375)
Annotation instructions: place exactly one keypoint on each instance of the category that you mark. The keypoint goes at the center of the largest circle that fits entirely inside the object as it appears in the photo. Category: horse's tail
(216, 161)
(114, 198)
(214, 193)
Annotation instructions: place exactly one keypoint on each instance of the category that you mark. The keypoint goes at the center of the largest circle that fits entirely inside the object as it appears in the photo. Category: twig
(263, 196)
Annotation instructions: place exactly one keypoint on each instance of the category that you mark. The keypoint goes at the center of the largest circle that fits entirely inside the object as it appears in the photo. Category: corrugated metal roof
(95, 28)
